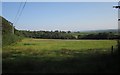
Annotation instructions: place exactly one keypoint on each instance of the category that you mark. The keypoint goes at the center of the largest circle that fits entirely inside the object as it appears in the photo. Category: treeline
(66, 35)
(104, 35)
(47, 34)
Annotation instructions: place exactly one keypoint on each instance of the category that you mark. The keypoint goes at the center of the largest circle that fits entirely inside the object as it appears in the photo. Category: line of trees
(66, 35)
(47, 34)
(103, 35)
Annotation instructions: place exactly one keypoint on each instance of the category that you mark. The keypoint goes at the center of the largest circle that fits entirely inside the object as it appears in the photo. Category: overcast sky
(73, 16)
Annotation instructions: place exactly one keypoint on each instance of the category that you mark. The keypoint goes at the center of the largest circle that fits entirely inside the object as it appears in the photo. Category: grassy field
(53, 44)
(60, 56)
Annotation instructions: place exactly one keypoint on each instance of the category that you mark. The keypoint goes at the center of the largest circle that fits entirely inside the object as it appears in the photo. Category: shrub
(8, 39)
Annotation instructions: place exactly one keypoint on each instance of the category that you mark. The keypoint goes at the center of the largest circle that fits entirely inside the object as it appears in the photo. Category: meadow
(60, 56)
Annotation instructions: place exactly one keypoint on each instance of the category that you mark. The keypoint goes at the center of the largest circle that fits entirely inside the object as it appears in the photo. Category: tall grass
(8, 39)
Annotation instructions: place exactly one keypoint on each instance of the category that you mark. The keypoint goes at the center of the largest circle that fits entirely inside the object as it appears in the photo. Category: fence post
(112, 50)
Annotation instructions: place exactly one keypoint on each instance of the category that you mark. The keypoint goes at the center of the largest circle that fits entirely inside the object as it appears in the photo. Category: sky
(0, 8)
(73, 16)
(61, 0)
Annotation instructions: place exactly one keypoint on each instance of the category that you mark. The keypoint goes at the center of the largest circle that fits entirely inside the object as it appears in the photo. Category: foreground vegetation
(60, 56)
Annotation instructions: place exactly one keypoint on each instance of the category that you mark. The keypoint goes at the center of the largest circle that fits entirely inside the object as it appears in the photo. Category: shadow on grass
(65, 61)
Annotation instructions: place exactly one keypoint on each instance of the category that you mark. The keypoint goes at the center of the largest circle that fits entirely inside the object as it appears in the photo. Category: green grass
(60, 56)
(46, 44)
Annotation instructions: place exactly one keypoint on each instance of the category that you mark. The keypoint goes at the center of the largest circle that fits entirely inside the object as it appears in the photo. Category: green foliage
(6, 27)
(67, 35)
(48, 34)
(7, 36)
(103, 35)
(9, 39)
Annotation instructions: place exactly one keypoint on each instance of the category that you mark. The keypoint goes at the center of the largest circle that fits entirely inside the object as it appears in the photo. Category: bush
(8, 39)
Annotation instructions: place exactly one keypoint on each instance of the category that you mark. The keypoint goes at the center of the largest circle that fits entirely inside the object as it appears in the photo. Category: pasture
(60, 56)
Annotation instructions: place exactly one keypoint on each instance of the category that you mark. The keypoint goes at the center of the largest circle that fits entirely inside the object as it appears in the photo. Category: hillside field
(60, 56)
